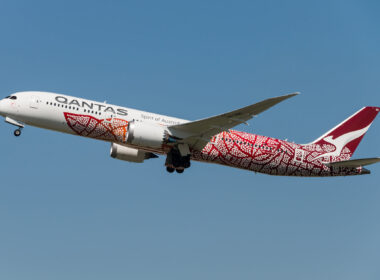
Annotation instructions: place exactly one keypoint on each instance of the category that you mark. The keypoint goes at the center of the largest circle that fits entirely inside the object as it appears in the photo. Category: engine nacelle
(129, 154)
(146, 135)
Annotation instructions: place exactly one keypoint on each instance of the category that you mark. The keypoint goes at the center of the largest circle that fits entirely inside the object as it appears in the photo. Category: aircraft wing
(198, 133)
(353, 163)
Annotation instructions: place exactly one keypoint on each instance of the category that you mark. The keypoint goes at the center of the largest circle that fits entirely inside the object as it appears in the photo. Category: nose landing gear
(17, 132)
(20, 125)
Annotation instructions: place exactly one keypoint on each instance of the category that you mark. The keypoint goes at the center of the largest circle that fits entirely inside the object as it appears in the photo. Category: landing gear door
(34, 102)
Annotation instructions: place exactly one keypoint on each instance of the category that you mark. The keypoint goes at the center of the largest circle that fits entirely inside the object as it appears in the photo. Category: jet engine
(146, 135)
(129, 154)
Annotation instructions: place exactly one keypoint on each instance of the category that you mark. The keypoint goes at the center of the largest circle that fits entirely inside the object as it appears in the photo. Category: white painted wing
(198, 133)
(353, 163)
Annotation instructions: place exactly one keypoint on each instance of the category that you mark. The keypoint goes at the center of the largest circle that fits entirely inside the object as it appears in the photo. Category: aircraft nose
(1, 107)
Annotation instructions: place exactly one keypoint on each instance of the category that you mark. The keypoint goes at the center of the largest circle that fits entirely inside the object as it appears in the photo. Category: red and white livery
(136, 136)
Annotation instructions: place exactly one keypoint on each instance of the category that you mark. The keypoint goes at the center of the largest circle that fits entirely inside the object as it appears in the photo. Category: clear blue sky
(69, 211)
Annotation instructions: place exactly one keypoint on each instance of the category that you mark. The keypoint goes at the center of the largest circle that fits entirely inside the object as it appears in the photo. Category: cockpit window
(13, 97)
(7, 97)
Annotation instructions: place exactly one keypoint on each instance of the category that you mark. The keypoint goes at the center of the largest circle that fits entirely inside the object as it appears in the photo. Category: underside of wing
(198, 133)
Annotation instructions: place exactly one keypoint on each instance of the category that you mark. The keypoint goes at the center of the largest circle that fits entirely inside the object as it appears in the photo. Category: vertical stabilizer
(348, 134)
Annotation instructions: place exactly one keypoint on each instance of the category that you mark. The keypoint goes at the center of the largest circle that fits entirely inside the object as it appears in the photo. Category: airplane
(136, 136)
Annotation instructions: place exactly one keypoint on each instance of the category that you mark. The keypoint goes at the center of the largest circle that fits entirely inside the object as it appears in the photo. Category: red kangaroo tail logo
(348, 134)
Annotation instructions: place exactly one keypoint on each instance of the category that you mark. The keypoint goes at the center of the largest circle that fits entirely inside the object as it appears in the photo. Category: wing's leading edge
(198, 133)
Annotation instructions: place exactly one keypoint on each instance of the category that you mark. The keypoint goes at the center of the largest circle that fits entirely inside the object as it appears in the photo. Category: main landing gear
(170, 169)
(176, 162)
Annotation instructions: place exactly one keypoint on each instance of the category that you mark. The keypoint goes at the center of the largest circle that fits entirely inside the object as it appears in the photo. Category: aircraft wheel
(180, 170)
(17, 132)
(170, 169)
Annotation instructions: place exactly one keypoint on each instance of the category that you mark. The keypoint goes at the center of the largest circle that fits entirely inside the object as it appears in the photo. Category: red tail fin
(349, 133)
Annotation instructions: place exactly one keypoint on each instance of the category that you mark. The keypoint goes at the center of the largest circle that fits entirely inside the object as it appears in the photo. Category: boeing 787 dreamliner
(137, 136)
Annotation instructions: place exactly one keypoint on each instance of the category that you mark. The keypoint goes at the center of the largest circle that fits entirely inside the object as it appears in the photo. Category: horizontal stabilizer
(353, 163)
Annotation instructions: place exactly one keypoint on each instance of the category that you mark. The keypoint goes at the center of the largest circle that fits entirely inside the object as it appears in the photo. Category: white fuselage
(46, 110)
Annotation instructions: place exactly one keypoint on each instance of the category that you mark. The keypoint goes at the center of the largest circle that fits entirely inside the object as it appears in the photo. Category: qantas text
(92, 106)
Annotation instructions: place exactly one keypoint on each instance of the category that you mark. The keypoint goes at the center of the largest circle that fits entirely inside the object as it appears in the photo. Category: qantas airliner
(137, 136)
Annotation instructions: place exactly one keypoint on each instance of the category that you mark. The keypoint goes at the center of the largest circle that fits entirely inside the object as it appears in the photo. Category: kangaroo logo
(341, 141)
